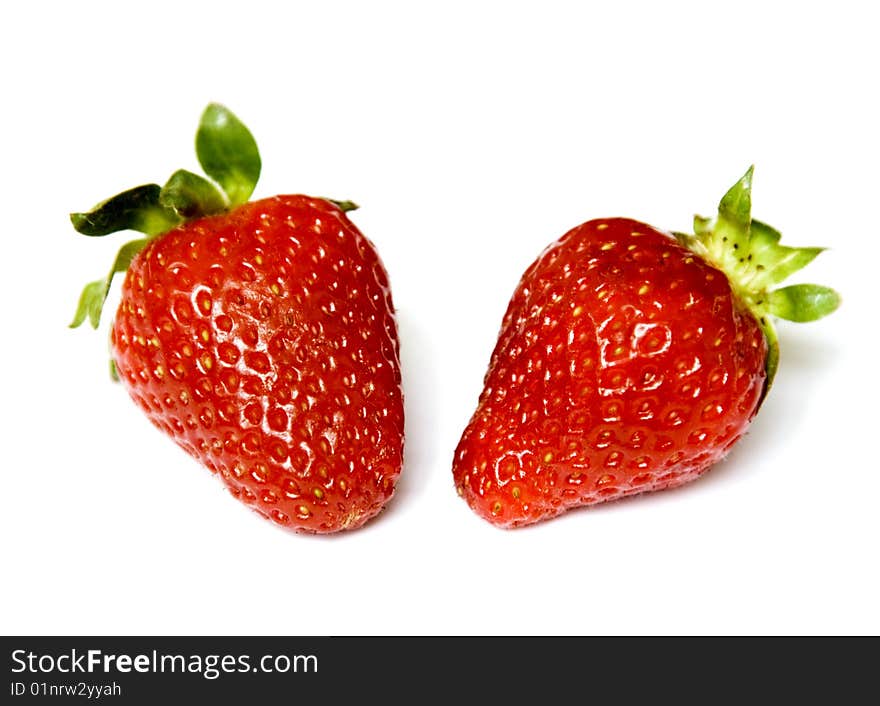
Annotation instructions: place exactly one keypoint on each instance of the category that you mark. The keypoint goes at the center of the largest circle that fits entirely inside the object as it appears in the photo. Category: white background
(472, 134)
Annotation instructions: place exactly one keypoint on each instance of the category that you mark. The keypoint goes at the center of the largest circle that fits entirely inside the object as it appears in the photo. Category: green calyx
(749, 253)
(229, 156)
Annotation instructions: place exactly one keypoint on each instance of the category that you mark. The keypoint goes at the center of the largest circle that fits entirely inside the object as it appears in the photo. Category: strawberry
(630, 360)
(260, 335)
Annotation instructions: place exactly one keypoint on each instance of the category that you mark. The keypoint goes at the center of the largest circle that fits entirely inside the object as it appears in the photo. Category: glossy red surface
(263, 341)
(624, 364)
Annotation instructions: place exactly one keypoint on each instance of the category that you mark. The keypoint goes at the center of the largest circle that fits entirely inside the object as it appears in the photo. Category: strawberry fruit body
(260, 336)
(630, 360)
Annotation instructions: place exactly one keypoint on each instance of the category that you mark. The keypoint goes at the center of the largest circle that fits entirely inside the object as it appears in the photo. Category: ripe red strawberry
(259, 335)
(630, 360)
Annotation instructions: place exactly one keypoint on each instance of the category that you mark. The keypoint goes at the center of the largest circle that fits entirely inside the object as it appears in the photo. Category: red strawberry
(630, 360)
(261, 338)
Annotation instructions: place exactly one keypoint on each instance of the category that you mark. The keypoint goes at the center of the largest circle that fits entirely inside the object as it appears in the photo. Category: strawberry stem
(227, 152)
(749, 253)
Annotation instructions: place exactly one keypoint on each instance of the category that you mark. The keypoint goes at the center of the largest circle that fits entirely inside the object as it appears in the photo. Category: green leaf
(91, 302)
(763, 235)
(736, 204)
(191, 196)
(344, 206)
(772, 363)
(777, 262)
(136, 209)
(125, 256)
(702, 225)
(803, 302)
(228, 153)
(728, 241)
